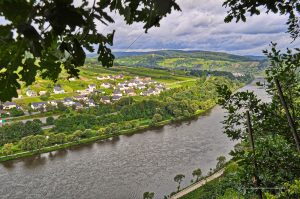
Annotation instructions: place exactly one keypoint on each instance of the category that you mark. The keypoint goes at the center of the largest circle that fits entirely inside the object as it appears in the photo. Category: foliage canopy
(44, 36)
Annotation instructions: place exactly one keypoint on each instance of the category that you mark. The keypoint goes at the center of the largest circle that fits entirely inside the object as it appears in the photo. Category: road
(43, 119)
(197, 185)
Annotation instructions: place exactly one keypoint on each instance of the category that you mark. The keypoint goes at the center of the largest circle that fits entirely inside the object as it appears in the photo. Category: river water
(123, 167)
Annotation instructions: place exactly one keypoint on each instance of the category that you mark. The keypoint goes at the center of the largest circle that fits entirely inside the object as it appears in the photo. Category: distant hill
(191, 60)
(191, 54)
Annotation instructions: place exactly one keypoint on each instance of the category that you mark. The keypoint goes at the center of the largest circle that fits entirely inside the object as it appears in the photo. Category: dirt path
(197, 185)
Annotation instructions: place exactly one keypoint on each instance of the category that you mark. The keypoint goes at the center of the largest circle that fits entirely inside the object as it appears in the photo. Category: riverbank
(100, 138)
(197, 185)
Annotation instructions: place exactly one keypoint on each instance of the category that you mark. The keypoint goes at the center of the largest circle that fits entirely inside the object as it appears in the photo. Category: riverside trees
(275, 158)
(112, 119)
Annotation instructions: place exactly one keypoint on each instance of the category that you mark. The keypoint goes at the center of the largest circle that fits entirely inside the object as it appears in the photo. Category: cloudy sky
(200, 26)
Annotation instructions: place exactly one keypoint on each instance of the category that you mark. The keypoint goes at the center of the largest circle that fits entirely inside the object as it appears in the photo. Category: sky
(200, 26)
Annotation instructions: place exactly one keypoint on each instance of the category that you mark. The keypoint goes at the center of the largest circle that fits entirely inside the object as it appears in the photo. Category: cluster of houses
(238, 74)
(56, 90)
(110, 77)
(77, 102)
(137, 86)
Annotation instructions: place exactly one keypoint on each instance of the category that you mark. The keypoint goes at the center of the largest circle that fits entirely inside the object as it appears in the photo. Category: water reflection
(35, 161)
(58, 154)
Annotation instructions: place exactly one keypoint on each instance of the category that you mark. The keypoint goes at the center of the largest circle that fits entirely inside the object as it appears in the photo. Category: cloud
(201, 26)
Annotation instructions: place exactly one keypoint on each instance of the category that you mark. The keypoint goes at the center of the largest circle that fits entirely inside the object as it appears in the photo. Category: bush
(50, 120)
(14, 112)
(7, 149)
(156, 118)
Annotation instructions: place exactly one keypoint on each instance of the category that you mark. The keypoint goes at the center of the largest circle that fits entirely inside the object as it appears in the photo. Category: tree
(14, 112)
(156, 118)
(50, 120)
(148, 195)
(33, 142)
(221, 162)
(197, 173)
(44, 36)
(61, 106)
(178, 178)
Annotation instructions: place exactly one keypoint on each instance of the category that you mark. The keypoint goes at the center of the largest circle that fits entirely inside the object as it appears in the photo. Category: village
(110, 91)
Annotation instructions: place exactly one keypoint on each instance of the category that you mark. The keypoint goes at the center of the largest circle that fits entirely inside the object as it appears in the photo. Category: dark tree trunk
(256, 178)
(288, 115)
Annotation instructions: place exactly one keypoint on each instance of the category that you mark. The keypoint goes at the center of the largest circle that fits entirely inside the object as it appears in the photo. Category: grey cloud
(201, 26)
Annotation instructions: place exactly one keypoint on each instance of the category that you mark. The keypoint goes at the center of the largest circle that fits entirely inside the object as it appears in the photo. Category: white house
(42, 92)
(106, 85)
(80, 98)
(78, 105)
(102, 78)
(117, 93)
(38, 105)
(53, 102)
(119, 76)
(132, 84)
(91, 102)
(141, 87)
(9, 105)
(31, 93)
(68, 102)
(58, 90)
(130, 92)
(105, 99)
(116, 98)
(92, 87)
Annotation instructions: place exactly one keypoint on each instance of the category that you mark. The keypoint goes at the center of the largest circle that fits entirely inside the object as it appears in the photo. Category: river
(123, 167)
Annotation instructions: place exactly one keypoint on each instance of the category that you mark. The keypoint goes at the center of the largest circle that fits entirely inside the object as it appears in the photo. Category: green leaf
(29, 71)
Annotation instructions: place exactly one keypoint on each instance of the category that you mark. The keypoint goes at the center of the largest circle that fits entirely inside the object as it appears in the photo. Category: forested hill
(203, 60)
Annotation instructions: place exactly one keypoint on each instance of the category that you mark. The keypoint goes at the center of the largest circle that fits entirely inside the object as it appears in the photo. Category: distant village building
(238, 74)
(106, 85)
(30, 93)
(117, 93)
(83, 92)
(116, 98)
(58, 90)
(92, 87)
(38, 105)
(100, 78)
(141, 87)
(68, 102)
(91, 102)
(42, 92)
(99, 91)
(105, 100)
(130, 92)
(9, 105)
(72, 79)
(78, 105)
(53, 102)
(80, 98)
(119, 76)
(132, 84)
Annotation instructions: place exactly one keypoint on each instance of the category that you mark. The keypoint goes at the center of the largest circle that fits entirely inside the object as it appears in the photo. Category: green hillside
(203, 60)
